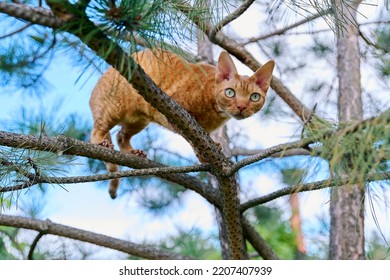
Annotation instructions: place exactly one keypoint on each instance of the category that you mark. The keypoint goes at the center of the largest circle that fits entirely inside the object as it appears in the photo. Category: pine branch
(370, 43)
(143, 251)
(34, 179)
(287, 28)
(352, 127)
(16, 31)
(14, 167)
(229, 18)
(240, 151)
(63, 145)
(333, 182)
(34, 244)
(281, 148)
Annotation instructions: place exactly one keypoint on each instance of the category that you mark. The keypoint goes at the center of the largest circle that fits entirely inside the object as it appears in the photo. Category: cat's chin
(238, 116)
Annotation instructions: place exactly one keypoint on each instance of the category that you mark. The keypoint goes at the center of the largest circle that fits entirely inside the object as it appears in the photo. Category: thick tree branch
(143, 251)
(334, 182)
(68, 146)
(35, 15)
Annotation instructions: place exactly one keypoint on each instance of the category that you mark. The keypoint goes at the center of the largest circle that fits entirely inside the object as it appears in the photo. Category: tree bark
(221, 136)
(347, 202)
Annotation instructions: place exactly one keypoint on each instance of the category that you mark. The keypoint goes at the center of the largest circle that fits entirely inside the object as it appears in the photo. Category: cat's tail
(114, 183)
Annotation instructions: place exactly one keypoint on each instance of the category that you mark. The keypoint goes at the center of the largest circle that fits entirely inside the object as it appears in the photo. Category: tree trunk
(347, 202)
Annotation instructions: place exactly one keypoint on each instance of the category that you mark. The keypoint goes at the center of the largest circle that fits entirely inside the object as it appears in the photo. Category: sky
(89, 207)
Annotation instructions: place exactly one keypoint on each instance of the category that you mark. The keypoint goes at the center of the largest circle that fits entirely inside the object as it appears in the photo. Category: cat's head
(241, 96)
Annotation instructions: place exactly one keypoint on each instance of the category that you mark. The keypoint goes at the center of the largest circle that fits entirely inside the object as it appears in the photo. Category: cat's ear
(225, 68)
(263, 75)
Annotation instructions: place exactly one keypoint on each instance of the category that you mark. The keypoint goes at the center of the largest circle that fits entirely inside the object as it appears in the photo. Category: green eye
(229, 92)
(255, 96)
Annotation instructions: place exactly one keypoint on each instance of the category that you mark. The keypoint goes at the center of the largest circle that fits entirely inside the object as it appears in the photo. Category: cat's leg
(101, 137)
(124, 136)
(123, 139)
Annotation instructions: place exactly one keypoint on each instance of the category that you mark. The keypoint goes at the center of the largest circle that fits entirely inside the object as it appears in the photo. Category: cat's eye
(229, 92)
(255, 97)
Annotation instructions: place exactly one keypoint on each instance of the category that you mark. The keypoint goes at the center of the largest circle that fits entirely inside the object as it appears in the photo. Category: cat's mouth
(239, 115)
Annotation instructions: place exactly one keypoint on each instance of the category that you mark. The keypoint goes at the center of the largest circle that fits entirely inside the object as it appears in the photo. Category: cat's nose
(241, 107)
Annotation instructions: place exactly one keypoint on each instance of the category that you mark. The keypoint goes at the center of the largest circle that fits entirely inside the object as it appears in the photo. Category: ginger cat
(212, 95)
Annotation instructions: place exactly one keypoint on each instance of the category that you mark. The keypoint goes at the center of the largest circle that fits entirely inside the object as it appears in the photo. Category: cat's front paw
(219, 145)
(106, 143)
(139, 153)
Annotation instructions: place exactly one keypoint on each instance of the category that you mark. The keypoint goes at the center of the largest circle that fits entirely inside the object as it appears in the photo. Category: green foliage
(132, 24)
(383, 39)
(357, 154)
(15, 248)
(7, 233)
(159, 197)
(12, 246)
(277, 47)
(276, 231)
(47, 120)
(377, 248)
(321, 48)
(25, 56)
(136, 24)
(293, 176)
(382, 46)
(17, 243)
(194, 244)
(384, 66)
(4, 254)
(19, 166)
